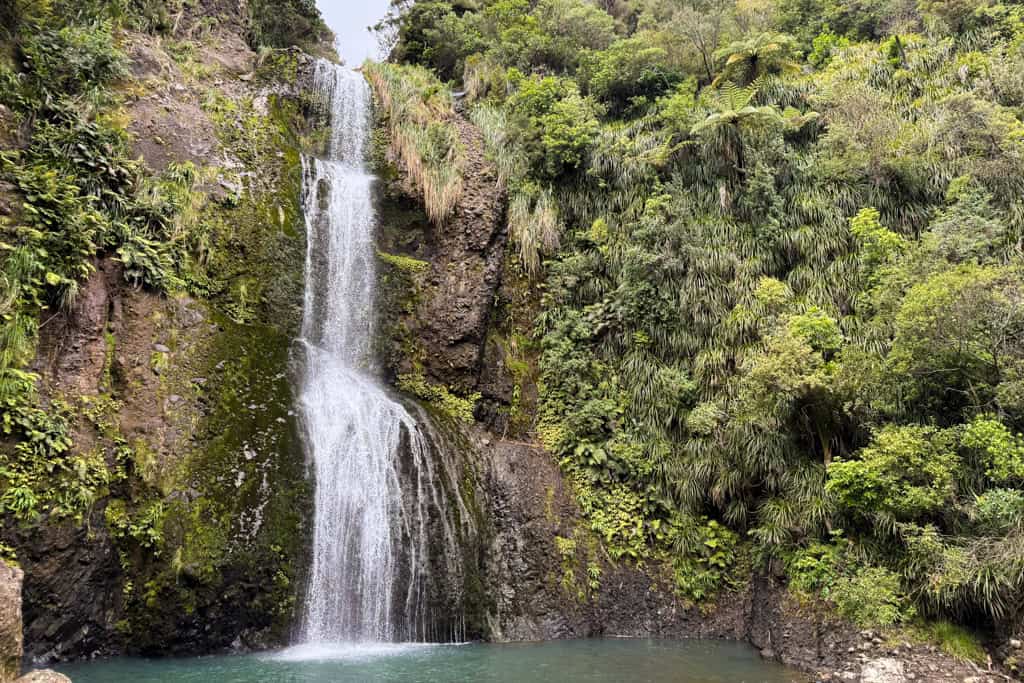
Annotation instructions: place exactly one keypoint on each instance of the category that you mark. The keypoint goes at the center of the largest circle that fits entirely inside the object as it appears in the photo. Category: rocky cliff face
(439, 316)
(201, 545)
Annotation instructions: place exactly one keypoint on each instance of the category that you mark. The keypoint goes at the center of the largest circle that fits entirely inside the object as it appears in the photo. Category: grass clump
(424, 140)
(953, 639)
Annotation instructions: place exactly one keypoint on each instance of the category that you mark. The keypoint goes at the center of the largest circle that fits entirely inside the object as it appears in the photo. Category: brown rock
(466, 257)
(10, 621)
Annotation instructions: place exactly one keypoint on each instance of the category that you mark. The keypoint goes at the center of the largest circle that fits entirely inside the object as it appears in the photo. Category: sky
(349, 20)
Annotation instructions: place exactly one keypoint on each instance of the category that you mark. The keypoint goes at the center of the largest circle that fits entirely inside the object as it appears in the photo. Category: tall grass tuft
(424, 139)
(535, 227)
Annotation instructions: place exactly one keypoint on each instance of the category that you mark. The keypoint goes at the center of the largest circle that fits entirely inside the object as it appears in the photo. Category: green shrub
(73, 59)
(629, 75)
(284, 23)
(1001, 451)
(998, 511)
(907, 472)
(825, 45)
(813, 570)
(708, 556)
(873, 597)
(144, 527)
(432, 34)
(552, 122)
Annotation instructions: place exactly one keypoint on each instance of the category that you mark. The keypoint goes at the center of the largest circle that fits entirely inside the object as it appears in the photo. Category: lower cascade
(383, 524)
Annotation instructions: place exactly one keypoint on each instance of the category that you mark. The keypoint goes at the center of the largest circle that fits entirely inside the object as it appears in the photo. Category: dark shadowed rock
(466, 256)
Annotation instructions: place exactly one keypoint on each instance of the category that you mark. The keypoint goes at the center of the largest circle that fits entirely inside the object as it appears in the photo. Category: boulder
(8, 128)
(45, 676)
(10, 621)
(885, 670)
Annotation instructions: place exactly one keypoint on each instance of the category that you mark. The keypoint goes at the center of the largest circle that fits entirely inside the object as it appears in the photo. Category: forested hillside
(770, 253)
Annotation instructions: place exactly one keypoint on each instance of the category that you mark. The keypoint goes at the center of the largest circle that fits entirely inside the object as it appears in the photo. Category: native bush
(73, 59)
(286, 23)
(552, 123)
(870, 598)
(777, 257)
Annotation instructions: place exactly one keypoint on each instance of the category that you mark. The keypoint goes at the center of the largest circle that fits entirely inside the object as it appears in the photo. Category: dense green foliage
(778, 250)
(283, 23)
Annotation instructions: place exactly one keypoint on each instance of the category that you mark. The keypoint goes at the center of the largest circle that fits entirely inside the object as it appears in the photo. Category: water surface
(590, 661)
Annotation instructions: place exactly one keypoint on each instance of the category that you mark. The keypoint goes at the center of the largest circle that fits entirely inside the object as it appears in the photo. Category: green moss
(110, 342)
(249, 497)
(440, 398)
(235, 543)
(279, 66)
(404, 230)
(408, 265)
(253, 269)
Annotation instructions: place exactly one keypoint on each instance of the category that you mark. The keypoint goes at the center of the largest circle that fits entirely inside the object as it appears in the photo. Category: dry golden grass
(423, 138)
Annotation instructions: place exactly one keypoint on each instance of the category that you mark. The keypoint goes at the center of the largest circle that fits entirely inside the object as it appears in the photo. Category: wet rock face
(72, 590)
(72, 348)
(464, 275)
(449, 321)
(10, 621)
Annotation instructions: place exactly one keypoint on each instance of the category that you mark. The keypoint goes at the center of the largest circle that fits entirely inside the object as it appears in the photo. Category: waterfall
(379, 502)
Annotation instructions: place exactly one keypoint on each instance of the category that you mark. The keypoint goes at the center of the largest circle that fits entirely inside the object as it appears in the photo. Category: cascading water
(379, 503)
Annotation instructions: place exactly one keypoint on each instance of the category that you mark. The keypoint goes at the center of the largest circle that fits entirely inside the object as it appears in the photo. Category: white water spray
(375, 484)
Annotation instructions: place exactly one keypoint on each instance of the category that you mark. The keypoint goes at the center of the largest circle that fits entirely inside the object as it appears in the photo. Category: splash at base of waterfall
(349, 652)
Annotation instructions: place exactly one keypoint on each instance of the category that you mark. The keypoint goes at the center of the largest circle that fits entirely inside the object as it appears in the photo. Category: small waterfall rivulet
(383, 523)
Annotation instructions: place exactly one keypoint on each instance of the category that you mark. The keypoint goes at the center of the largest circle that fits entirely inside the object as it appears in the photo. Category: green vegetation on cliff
(777, 246)
(176, 447)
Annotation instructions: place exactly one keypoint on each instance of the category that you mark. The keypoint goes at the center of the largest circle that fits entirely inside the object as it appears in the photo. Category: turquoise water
(592, 661)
